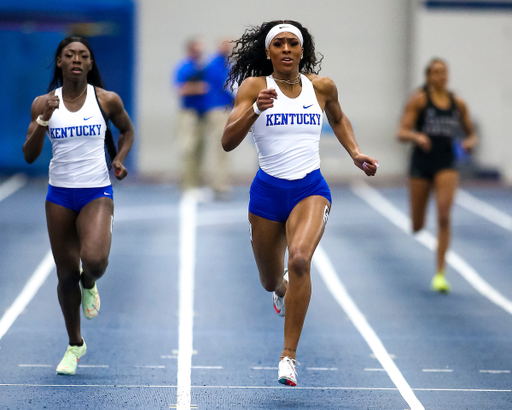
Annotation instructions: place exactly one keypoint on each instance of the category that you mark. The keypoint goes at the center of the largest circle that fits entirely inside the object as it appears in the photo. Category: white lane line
(28, 292)
(464, 390)
(322, 368)
(145, 212)
(264, 368)
(338, 290)
(10, 186)
(176, 352)
(232, 215)
(207, 367)
(167, 386)
(437, 370)
(495, 371)
(235, 214)
(150, 367)
(483, 209)
(378, 202)
(391, 355)
(188, 226)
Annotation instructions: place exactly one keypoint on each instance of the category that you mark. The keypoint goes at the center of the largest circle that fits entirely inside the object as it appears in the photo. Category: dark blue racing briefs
(76, 198)
(274, 198)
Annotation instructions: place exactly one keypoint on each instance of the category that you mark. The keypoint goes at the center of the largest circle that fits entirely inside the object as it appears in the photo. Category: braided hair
(248, 58)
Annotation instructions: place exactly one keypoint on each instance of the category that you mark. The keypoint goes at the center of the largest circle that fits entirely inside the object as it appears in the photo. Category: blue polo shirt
(191, 70)
(216, 74)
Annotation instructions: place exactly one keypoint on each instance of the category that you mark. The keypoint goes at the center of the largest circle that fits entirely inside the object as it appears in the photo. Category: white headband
(280, 28)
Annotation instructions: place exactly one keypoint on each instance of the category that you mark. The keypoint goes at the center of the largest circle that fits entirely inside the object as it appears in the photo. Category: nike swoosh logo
(307, 106)
(106, 193)
(85, 119)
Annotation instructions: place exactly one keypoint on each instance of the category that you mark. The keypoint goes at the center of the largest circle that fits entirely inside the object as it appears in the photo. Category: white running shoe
(278, 301)
(278, 304)
(90, 302)
(69, 362)
(286, 373)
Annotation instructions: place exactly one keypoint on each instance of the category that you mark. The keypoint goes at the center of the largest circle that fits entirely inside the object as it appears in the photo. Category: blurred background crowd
(166, 61)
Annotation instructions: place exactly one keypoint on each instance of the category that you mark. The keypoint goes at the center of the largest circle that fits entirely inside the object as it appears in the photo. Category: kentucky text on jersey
(285, 119)
(78, 131)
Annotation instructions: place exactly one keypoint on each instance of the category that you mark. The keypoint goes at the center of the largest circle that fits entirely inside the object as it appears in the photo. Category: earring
(268, 57)
(301, 57)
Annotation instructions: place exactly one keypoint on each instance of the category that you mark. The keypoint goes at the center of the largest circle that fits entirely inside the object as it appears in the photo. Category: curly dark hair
(248, 58)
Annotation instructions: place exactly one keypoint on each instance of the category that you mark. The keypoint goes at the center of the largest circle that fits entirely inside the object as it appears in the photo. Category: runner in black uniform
(431, 119)
(440, 125)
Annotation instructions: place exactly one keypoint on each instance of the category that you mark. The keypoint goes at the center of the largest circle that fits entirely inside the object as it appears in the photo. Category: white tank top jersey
(78, 140)
(287, 136)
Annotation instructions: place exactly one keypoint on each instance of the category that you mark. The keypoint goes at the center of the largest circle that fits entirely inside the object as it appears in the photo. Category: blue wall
(29, 35)
(469, 4)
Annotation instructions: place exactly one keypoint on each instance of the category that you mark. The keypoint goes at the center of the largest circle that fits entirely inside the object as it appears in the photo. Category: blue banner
(468, 4)
(30, 32)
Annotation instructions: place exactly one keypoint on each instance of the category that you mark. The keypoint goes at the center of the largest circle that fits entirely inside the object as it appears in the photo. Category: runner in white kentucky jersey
(290, 200)
(79, 203)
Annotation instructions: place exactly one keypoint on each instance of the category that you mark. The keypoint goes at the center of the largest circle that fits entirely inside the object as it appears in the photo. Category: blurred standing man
(220, 103)
(192, 89)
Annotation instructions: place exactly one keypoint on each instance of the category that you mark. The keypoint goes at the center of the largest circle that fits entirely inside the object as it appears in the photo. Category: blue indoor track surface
(186, 324)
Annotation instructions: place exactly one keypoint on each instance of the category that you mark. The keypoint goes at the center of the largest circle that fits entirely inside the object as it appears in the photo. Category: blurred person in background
(432, 118)
(219, 105)
(282, 100)
(79, 204)
(192, 89)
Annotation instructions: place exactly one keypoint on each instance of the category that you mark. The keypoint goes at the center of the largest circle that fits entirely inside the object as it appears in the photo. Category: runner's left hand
(468, 145)
(368, 164)
(120, 171)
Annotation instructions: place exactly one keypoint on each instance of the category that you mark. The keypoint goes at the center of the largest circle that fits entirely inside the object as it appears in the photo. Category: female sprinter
(79, 203)
(431, 119)
(282, 100)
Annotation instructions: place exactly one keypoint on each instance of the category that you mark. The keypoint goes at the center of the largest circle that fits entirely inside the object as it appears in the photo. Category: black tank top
(436, 122)
(441, 126)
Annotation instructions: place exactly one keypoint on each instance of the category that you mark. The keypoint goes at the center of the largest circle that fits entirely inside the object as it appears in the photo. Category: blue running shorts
(274, 198)
(76, 198)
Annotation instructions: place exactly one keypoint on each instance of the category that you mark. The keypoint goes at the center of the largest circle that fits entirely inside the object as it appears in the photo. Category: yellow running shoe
(90, 302)
(69, 362)
(439, 283)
